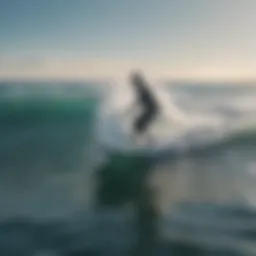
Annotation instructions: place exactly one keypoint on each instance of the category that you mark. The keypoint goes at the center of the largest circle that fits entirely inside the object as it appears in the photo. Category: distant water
(50, 149)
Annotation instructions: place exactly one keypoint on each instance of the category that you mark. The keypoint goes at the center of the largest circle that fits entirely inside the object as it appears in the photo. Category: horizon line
(175, 80)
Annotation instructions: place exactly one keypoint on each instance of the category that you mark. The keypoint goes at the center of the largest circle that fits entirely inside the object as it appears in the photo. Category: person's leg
(149, 118)
(142, 124)
(138, 127)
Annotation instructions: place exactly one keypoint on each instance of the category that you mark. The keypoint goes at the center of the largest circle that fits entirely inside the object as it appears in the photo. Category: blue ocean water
(51, 147)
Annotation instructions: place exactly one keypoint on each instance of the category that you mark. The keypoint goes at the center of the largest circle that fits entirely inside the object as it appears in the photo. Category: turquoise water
(50, 155)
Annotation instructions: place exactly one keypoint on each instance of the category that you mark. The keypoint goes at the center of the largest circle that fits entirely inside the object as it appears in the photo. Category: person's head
(137, 79)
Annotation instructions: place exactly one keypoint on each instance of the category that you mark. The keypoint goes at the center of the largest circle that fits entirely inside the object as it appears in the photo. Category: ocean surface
(54, 137)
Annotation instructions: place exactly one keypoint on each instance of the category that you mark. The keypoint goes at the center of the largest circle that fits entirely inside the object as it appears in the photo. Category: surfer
(148, 102)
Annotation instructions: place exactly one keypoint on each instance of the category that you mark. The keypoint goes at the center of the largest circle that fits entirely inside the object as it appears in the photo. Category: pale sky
(76, 39)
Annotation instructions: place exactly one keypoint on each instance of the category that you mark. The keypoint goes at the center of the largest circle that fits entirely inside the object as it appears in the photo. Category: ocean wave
(46, 154)
(214, 123)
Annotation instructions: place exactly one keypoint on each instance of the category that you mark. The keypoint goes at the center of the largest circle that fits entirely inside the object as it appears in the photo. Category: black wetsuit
(150, 109)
